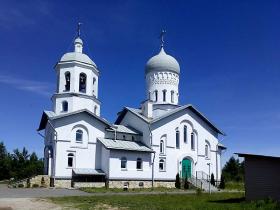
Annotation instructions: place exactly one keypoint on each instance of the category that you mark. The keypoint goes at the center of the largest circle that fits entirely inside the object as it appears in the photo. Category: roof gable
(170, 113)
(48, 115)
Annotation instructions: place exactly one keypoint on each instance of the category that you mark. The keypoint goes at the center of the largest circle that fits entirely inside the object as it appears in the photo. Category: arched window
(156, 95)
(123, 163)
(95, 109)
(177, 139)
(83, 82)
(162, 165)
(164, 95)
(172, 96)
(185, 133)
(192, 141)
(161, 147)
(139, 164)
(93, 82)
(79, 135)
(64, 106)
(206, 150)
(70, 160)
(67, 81)
(132, 138)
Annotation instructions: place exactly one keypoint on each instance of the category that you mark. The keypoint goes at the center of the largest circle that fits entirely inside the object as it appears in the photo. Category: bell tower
(77, 81)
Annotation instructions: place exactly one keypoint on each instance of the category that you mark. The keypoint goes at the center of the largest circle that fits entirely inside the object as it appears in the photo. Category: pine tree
(212, 181)
(178, 182)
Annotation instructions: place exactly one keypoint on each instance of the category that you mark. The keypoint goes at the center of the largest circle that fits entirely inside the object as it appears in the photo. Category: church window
(156, 95)
(132, 138)
(139, 164)
(82, 83)
(185, 133)
(192, 141)
(162, 165)
(161, 147)
(177, 139)
(95, 109)
(123, 163)
(206, 151)
(79, 135)
(70, 160)
(172, 96)
(164, 95)
(64, 106)
(67, 81)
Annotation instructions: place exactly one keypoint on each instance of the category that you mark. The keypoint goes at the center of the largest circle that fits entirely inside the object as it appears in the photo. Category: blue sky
(229, 53)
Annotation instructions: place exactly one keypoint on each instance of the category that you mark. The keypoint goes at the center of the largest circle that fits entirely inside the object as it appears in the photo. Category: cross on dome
(162, 33)
(79, 29)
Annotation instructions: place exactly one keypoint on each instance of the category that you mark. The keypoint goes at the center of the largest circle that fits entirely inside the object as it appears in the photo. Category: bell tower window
(64, 106)
(172, 96)
(67, 81)
(82, 83)
(156, 95)
(164, 95)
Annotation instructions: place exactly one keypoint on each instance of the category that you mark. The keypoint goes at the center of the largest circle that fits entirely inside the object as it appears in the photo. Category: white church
(146, 146)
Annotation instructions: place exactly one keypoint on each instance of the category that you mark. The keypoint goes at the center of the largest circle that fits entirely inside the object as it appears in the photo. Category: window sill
(162, 171)
(124, 169)
(139, 169)
(162, 154)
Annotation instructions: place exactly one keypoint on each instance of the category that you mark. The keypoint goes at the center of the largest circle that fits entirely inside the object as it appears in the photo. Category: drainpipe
(153, 161)
(54, 149)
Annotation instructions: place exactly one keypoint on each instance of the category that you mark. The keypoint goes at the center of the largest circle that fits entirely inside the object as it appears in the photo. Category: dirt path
(27, 204)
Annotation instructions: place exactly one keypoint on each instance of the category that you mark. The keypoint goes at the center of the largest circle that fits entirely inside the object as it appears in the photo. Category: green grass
(217, 201)
(116, 190)
(234, 186)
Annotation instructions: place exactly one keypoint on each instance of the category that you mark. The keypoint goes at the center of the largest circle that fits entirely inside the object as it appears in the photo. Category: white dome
(162, 62)
(75, 56)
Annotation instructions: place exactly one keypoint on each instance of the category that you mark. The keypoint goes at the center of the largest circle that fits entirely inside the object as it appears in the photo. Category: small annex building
(261, 176)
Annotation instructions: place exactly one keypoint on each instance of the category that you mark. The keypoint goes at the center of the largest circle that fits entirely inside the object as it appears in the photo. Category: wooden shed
(262, 176)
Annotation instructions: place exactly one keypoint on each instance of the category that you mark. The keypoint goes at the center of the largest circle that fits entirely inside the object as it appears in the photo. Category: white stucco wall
(84, 153)
(131, 172)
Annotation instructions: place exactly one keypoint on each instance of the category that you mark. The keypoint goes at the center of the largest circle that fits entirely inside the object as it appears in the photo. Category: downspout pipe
(153, 161)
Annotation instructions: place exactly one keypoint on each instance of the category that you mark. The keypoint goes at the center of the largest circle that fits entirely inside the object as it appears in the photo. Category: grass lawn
(235, 186)
(217, 201)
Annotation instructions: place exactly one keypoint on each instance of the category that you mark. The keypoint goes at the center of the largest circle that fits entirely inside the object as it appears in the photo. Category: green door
(186, 168)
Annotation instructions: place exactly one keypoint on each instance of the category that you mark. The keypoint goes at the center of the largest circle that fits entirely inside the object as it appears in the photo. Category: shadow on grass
(230, 200)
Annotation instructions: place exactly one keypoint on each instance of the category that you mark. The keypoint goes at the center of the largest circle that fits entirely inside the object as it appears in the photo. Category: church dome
(76, 56)
(162, 62)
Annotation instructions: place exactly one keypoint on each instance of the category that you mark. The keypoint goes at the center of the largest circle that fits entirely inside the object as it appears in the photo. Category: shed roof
(123, 129)
(256, 156)
(124, 145)
(87, 171)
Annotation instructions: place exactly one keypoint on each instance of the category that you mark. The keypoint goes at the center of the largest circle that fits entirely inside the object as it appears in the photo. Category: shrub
(28, 183)
(177, 182)
(186, 184)
(222, 184)
(212, 180)
(198, 191)
(20, 185)
(35, 185)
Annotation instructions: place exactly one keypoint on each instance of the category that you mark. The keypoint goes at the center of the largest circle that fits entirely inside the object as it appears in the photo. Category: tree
(178, 182)
(5, 162)
(222, 183)
(233, 170)
(212, 180)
